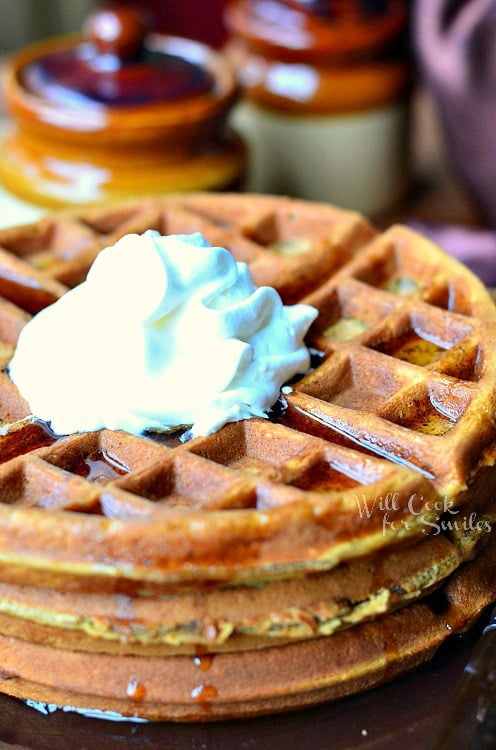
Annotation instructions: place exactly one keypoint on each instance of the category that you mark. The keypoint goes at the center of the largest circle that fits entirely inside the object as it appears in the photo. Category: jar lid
(116, 71)
(114, 66)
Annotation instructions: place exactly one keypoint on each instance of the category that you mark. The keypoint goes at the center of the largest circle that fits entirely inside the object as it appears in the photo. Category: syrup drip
(203, 692)
(203, 661)
(135, 691)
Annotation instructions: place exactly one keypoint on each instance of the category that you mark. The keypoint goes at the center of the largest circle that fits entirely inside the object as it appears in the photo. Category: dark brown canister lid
(114, 65)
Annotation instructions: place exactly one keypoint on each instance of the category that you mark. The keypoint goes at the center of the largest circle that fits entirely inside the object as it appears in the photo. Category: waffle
(276, 563)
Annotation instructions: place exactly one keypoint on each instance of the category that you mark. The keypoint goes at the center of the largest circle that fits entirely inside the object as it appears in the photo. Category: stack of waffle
(276, 563)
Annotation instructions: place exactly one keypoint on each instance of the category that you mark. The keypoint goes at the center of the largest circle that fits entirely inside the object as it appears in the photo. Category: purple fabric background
(475, 248)
(455, 46)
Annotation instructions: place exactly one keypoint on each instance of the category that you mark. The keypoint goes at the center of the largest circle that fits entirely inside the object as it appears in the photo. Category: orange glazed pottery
(119, 112)
(327, 93)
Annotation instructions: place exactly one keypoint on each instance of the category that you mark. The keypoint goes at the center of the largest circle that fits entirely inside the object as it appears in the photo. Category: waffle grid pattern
(415, 355)
(405, 336)
(159, 514)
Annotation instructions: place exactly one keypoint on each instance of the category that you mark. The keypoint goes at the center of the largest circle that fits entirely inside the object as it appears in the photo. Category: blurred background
(448, 119)
(26, 21)
(350, 103)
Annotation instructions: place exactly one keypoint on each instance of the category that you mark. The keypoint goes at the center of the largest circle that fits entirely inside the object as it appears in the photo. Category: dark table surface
(402, 715)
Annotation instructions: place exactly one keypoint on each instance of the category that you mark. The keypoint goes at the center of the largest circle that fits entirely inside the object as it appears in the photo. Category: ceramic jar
(119, 112)
(327, 91)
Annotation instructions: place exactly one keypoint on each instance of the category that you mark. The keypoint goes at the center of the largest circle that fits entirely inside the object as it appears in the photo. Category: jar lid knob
(117, 30)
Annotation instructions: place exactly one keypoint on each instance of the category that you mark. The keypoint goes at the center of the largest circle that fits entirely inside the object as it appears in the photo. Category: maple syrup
(102, 466)
(35, 434)
(429, 421)
(412, 348)
(171, 439)
(135, 691)
(203, 661)
(322, 477)
(204, 692)
(26, 293)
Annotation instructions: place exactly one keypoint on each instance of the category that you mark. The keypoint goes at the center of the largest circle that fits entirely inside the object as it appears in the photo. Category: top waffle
(399, 404)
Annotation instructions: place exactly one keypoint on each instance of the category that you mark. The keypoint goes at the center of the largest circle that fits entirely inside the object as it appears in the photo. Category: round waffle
(306, 546)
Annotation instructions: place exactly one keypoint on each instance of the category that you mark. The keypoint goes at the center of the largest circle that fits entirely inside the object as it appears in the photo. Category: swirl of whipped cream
(165, 332)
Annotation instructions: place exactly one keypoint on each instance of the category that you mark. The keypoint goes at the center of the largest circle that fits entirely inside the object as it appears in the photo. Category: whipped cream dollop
(165, 332)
